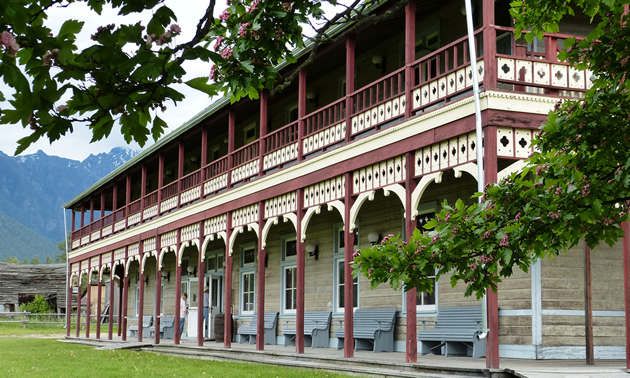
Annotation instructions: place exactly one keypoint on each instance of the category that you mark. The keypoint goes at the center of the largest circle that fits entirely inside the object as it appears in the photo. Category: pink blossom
(504, 241)
(214, 72)
(218, 44)
(227, 53)
(517, 216)
(553, 215)
(253, 7)
(286, 6)
(448, 216)
(175, 29)
(61, 108)
(10, 45)
(486, 234)
(242, 32)
(391, 270)
(225, 15)
(435, 238)
(474, 266)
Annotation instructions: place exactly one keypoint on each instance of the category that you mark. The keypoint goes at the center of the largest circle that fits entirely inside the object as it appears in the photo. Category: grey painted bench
(373, 330)
(167, 328)
(248, 333)
(456, 329)
(147, 322)
(316, 330)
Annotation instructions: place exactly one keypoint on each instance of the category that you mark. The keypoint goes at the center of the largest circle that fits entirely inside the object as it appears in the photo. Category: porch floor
(367, 363)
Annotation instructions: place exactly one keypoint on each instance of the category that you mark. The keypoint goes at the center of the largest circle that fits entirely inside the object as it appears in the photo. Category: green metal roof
(210, 110)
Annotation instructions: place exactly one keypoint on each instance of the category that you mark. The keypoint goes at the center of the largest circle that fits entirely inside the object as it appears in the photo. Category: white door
(191, 318)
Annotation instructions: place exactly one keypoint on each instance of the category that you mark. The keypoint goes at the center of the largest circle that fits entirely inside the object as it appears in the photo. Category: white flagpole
(479, 131)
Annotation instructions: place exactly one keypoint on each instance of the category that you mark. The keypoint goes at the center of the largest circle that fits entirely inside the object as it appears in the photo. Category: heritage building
(265, 201)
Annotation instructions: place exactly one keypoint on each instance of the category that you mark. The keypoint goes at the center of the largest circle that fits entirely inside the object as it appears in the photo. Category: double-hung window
(248, 279)
(289, 274)
(338, 269)
(425, 301)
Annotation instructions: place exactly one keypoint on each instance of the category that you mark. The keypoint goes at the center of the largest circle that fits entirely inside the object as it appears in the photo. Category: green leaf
(201, 84)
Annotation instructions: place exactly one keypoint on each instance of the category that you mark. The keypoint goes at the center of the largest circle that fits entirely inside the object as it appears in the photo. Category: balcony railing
(439, 78)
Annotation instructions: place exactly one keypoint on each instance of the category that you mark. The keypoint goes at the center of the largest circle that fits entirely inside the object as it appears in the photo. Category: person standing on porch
(206, 305)
(183, 310)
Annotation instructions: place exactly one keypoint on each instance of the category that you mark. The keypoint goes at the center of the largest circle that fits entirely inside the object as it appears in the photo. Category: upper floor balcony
(355, 88)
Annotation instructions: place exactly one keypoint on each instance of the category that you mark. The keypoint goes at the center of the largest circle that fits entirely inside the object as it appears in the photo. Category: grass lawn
(41, 356)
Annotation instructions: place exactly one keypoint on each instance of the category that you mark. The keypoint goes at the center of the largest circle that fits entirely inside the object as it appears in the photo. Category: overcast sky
(76, 145)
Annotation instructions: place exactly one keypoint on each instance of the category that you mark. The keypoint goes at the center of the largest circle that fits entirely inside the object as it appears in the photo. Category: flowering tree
(575, 186)
(129, 72)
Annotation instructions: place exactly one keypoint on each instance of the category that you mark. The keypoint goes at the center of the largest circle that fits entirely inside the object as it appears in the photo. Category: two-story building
(264, 201)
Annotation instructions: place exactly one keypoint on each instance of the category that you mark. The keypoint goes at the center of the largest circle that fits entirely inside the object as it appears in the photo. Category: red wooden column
(140, 289)
(231, 131)
(78, 330)
(158, 289)
(82, 215)
(264, 104)
(626, 285)
(260, 278)
(180, 171)
(410, 55)
(161, 183)
(301, 115)
(178, 287)
(121, 294)
(350, 53)
(68, 301)
(489, 46)
(204, 158)
(301, 259)
(110, 325)
(411, 350)
(91, 211)
(99, 293)
(492, 298)
(74, 219)
(348, 295)
(127, 202)
(227, 331)
(125, 297)
(88, 306)
(201, 268)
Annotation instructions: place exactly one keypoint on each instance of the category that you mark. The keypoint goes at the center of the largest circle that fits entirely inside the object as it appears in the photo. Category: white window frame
(246, 129)
(288, 263)
(339, 258)
(249, 270)
(424, 208)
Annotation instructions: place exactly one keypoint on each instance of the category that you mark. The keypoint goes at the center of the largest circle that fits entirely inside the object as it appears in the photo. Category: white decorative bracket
(307, 218)
(424, 183)
(265, 231)
(400, 192)
(514, 167)
(354, 210)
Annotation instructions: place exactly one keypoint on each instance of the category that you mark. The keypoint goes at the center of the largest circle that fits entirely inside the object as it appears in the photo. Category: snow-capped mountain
(34, 187)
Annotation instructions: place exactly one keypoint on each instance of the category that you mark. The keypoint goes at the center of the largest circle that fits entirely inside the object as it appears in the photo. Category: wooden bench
(316, 330)
(456, 329)
(373, 330)
(248, 333)
(167, 328)
(147, 322)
